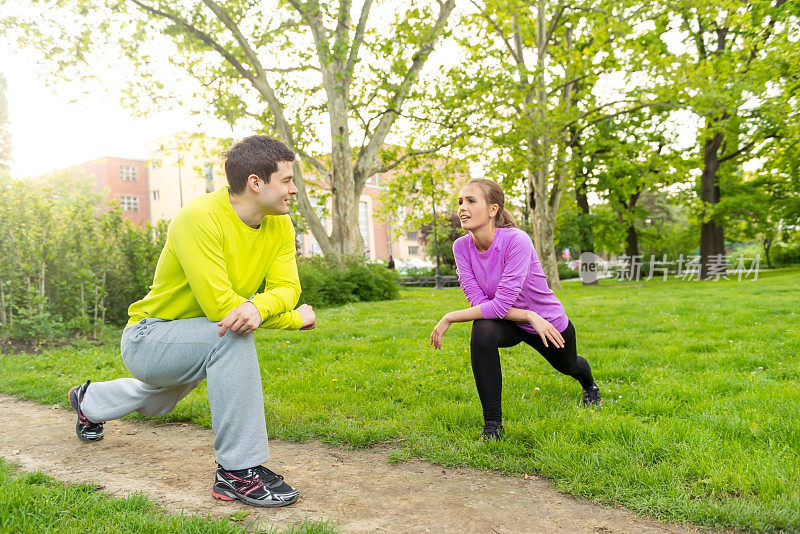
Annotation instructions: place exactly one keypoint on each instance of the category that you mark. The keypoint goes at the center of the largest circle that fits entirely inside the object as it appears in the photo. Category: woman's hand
(438, 331)
(545, 330)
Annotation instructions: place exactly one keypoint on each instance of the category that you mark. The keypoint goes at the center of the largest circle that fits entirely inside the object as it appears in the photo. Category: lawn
(701, 420)
(35, 503)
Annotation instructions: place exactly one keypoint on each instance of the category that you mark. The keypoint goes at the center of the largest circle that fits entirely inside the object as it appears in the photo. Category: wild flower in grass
(334, 379)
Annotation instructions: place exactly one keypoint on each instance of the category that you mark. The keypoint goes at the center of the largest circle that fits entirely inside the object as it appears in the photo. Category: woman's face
(473, 210)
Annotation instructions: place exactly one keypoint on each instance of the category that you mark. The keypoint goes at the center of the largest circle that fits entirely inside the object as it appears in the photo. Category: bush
(39, 327)
(444, 270)
(564, 272)
(333, 282)
(783, 254)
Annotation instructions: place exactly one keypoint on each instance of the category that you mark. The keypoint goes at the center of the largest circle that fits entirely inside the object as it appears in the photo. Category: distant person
(390, 265)
(198, 320)
(500, 274)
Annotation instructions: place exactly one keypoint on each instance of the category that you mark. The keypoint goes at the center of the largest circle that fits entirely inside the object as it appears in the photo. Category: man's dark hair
(257, 154)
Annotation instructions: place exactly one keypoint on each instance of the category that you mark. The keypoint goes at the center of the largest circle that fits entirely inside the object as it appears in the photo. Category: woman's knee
(485, 333)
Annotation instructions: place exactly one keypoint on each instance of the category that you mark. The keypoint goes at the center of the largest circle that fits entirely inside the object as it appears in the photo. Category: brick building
(125, 180)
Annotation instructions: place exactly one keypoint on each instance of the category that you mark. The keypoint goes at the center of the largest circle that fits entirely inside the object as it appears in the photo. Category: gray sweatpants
(169, 359)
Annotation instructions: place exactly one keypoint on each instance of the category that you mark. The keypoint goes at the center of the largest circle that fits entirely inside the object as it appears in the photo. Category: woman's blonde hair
(493, 194)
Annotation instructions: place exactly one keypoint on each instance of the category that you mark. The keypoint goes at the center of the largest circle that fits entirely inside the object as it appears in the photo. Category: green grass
(701, 420)
(35, 503)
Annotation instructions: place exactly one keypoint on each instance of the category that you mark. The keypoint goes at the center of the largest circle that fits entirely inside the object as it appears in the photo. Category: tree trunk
(103, 307)
(632, 251)
(2, 304)
(544, 242)
(712, 240)
(582, 200)
(767, 246)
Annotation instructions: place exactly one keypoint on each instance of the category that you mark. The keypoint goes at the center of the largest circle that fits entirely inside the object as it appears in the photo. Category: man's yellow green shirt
(212, 262)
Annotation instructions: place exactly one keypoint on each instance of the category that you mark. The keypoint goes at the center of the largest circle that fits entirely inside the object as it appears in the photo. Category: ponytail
(503, 219)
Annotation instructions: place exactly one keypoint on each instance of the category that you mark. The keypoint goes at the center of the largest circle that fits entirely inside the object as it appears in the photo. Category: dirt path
(358, 490)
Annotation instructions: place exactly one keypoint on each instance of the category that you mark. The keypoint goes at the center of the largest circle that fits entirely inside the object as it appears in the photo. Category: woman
(500, 274)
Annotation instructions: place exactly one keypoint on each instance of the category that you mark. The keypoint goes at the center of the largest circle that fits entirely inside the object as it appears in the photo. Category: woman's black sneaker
(492, 430)
(592, 395)
(257, 486)
(85, 429)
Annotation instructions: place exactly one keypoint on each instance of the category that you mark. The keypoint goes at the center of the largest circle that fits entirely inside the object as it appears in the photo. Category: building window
(413, 251)
(363, 222)
(156, 194)
(129, 203)
(128, 173)
(412, 236)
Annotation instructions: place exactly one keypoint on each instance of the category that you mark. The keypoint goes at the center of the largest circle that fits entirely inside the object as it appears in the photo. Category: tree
(727, 76)
(540, 64)
(5, 132)
(633, 153)
(280, 65)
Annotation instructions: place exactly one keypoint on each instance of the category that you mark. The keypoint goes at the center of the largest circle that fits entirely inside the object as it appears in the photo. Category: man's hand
(309, 318)
(546, 330)
(243, 319)
(438, 331)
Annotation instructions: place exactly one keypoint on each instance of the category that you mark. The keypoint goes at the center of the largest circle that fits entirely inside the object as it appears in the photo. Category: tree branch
(366, 158)
(554, 22)
(204, 37)
(744, 148)
(499, 30)
(358, 38)
(317, 164)
(223, 17)
(611, 115)
(413, 153)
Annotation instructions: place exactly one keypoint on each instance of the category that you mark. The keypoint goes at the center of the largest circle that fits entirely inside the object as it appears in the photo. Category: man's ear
(254, 183)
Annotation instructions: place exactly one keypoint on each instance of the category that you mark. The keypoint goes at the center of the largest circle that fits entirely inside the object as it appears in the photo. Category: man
(198, 320)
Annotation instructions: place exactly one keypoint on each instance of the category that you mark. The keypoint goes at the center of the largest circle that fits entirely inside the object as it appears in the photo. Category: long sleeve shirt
(212, 262)
(507, 275)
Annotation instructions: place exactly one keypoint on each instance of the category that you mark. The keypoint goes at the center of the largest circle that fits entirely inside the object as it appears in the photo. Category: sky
(49, 132)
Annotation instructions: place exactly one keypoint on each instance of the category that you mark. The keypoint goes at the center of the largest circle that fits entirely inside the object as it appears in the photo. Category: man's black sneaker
(492, 430)
(85, 429)
(592, 395)
(257, 486)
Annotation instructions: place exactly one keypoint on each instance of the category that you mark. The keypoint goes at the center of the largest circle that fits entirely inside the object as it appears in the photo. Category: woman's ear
(493, 210)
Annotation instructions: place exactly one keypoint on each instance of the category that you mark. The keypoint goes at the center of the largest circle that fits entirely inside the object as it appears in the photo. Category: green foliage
(448, 229)
(784, 255)
(335, 281)
(564, 272)
(70, 265)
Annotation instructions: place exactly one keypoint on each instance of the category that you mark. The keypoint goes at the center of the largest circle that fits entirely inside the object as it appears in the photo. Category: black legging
(490, 334)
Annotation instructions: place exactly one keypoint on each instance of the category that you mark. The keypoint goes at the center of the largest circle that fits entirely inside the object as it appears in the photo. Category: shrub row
(333, 282)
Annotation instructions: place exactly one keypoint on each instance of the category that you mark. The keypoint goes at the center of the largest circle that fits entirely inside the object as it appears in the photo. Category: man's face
(276, 195)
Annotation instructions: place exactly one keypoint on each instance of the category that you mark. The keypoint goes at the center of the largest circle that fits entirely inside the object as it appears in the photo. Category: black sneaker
(85, 429)
(592, 395)
(492, 430)
(257, 486)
